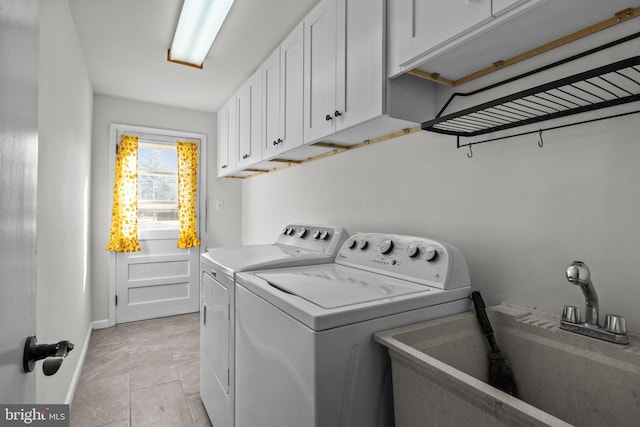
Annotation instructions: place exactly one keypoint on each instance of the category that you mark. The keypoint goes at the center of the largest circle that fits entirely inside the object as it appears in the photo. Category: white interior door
(161, 279)
(18, 184)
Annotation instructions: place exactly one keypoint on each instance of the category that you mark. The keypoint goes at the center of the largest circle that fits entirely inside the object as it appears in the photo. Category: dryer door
(215, 329)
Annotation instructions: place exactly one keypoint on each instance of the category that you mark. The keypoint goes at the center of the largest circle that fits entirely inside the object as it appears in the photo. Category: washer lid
(231, 260)
(329, 289)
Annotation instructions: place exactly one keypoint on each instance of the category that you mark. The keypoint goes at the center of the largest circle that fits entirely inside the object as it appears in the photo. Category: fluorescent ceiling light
(199, 23)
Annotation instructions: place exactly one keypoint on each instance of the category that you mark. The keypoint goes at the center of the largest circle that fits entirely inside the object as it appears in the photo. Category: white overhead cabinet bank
(325, 84)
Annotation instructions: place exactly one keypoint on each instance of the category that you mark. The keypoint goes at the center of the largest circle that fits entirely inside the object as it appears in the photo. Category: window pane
(157, 185)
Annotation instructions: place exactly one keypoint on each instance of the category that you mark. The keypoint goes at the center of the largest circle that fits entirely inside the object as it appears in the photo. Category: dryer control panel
(321, 238)
(418, 259)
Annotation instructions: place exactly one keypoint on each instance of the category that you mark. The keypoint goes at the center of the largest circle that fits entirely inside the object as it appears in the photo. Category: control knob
(413, 250)
(430, 253)
(316, 234)
(386, 246)
(324, 235)
(362, 244)
(351, 244)
(302, 232)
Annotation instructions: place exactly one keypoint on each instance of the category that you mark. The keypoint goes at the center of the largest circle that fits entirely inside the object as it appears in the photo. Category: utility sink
(440, 373)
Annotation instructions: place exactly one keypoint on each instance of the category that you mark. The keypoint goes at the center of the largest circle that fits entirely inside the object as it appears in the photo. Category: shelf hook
(540, 141)
(470, 153)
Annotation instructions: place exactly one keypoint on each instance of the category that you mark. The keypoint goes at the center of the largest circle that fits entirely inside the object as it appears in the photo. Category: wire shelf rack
(614, 84)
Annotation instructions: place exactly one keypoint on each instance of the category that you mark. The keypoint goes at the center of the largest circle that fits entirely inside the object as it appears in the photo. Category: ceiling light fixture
(199, 23)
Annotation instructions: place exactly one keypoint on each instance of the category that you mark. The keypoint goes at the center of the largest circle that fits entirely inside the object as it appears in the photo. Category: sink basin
(440, 373)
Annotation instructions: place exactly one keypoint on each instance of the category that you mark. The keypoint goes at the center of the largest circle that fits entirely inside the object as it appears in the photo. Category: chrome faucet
(614, 329)
(578, 274)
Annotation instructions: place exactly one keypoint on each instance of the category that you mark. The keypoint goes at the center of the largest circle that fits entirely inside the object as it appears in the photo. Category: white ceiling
(125, 45)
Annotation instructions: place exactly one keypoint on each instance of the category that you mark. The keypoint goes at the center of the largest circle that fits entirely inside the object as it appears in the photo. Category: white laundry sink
(440, 373)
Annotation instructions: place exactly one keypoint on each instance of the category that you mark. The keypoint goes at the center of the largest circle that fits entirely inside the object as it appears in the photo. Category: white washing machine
(298, 244)
(305, 353)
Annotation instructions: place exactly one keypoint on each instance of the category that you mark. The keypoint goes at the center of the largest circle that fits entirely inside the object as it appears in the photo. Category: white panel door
(272, 131)
(223, 142)
(18, 184)
(250, 121)
(426, 24)
(320, 71)
(161, 279)
(359, 62)
(292, 89)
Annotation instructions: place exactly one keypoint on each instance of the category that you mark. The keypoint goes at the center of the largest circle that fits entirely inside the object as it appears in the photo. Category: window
(157, 185)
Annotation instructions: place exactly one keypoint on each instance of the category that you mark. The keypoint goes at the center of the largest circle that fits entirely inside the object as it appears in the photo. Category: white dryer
(305, 353)
(298, 244)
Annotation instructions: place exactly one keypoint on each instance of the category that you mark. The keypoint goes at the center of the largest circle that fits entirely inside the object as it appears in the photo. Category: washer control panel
(322, 238)
(418, 259)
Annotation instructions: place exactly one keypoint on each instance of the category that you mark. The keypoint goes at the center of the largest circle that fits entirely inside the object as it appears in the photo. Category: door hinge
(116, 300)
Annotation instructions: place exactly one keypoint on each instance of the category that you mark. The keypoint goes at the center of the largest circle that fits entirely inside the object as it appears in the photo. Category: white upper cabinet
(250, 135)
(320, 71)
(430, 23)
(282, 76)
(228, 136)
(344, 66)
(455, 38)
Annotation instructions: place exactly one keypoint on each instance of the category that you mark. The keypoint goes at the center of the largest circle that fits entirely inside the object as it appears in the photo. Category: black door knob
(337, 113)
(53, 354)
(328, 117)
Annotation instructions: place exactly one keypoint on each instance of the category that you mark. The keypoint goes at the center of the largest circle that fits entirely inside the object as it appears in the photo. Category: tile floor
(142, 374)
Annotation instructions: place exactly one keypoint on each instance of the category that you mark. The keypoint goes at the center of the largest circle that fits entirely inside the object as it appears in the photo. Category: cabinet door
(271, 104)
(426, 24)
(320, 71)
(232, 133)
(292, 89)
(250, 121)
(223, 141)
(360, 62)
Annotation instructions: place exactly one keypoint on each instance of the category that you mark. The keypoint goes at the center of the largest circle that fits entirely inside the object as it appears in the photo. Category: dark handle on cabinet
(337, 113)
(53, 354)
(223, 166)
(204, 313)
(246, 156)
(277, 142)
(328, 117)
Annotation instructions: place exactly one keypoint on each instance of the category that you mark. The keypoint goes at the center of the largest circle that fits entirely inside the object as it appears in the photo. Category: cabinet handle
(279, 140)
(275, 143)
(246, 156)
(328, 117)
(223, 166)
(337, 113)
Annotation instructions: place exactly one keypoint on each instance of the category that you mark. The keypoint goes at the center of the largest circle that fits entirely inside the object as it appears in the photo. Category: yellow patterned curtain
(187, 194)
(124, 214)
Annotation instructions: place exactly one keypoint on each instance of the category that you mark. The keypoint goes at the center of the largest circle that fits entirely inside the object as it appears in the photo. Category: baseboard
(98, 324)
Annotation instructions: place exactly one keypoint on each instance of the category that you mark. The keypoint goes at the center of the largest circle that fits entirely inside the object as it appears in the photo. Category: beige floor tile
(160, 405)
(142, 374)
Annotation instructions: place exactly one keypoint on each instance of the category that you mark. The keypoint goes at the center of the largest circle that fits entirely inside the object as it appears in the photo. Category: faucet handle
(571, 314)
(615, 324)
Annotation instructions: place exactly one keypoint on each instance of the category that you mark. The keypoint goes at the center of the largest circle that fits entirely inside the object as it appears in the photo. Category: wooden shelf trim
(618, 17)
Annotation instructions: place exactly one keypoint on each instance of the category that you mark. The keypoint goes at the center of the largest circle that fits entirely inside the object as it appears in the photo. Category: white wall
(519, 213)
(223, 227)
(65, 106)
